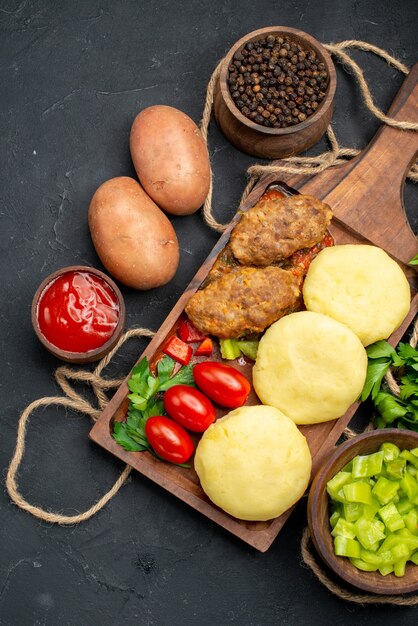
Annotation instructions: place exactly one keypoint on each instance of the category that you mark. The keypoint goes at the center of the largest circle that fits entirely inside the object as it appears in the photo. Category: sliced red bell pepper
(189, 333)
(205, 348)
(178, 350)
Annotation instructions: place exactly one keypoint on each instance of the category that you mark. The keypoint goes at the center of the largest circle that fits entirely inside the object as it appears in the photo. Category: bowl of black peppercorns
(275, 92)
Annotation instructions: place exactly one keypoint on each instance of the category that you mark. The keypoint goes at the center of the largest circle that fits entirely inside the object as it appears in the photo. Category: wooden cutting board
(366, 197)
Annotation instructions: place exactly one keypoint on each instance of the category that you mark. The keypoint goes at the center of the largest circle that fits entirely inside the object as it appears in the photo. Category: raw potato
(171, 159)
(309, 366)
(360, 286)
(254, 463)
(133, 238)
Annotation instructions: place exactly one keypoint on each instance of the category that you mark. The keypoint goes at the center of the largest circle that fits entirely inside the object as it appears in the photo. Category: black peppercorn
(275, 82)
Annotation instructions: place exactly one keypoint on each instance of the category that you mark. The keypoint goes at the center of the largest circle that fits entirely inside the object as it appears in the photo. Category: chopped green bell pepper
(411, 521)
(390, 451)
(358, 492)
(368, 465)
(391, 517)
(344, 529)
(396, 469)
(374, 510)
(385, 489)
(353, 510)
(346, 547)
(408, 456)
(369, 533)
(365, 567)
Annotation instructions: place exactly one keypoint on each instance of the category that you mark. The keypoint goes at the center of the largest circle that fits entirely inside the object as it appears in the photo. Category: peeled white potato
(253, 463)
(309, 366)
(360, 286)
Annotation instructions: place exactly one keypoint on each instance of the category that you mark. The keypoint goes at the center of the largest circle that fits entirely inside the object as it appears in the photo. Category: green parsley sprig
(392, 411)
(144, 401)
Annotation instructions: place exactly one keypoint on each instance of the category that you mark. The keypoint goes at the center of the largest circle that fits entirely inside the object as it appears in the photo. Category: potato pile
(132, 236)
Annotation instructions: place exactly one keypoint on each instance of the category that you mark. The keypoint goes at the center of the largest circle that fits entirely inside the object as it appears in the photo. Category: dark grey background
(73, 75)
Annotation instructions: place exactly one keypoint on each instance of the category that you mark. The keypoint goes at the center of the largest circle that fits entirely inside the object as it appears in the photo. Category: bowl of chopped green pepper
(363, 511)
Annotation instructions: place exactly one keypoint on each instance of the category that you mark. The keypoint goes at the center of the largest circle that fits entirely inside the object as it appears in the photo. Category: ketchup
(78, 312)
(301, 259)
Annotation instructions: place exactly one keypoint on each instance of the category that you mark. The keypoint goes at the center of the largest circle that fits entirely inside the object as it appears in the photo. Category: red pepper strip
(327, 240)
(301, 259)
(178, 350)
(189, 333)
(205, 348)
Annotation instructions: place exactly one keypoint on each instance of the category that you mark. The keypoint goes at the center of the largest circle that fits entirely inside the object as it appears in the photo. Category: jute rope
(337, 154)
(344, 594)
(76, 402)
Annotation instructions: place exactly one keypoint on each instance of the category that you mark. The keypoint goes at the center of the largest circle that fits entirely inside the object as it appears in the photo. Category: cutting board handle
(374, 180)
(400, 152)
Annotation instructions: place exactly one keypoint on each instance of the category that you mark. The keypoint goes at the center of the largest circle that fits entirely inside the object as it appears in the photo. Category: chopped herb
(392, 411)
(414, 261)
(123, 439)
(183, 377)
(143, 402)
(376, 370)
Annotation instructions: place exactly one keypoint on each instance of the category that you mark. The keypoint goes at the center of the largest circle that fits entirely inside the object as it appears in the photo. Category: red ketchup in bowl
(78, 311)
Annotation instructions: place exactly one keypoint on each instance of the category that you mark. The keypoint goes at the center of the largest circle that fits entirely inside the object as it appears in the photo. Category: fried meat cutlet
(275, 228)
(244, 300)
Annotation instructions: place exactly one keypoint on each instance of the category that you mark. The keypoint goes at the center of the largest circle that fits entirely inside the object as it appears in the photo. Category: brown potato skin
(171, 159)
(133, 238)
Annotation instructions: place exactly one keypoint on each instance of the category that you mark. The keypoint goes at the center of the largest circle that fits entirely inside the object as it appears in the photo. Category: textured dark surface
(73, 75)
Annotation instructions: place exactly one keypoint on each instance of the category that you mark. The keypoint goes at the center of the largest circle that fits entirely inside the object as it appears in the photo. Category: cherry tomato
(222, 383)
(169, 439)
(189, 407)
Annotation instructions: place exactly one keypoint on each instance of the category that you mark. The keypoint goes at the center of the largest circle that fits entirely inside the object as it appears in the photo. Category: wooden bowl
(258, 140)
(90, 355)
(318, 514)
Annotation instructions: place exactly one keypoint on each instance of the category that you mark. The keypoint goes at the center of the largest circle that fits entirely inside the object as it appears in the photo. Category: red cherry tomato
(168, 439)
(222, 383)
(189, 407)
